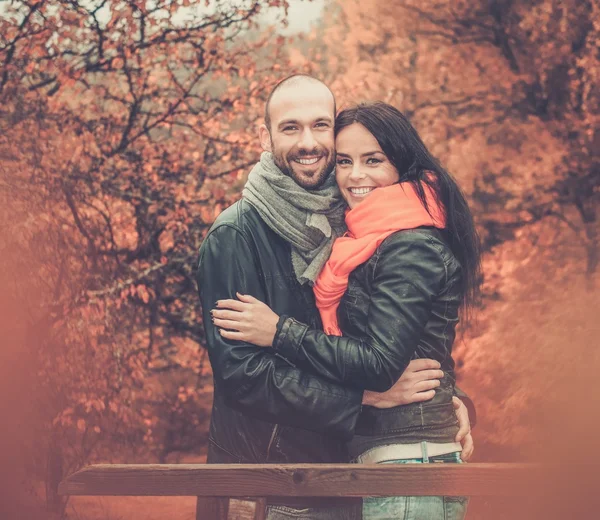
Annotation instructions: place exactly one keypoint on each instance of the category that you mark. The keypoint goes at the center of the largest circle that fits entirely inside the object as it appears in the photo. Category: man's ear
(265, 138)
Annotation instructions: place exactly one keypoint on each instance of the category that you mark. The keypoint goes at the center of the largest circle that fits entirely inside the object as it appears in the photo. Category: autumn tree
(125, 127)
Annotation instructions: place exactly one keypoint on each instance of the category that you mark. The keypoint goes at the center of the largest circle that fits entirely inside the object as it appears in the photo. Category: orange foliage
(127, 126)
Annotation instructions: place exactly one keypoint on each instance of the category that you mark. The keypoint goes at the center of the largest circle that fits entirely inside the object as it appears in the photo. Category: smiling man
(302, 139)
(272, 244)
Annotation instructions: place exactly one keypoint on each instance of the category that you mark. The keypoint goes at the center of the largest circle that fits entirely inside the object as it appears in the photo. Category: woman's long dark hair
(406, 151)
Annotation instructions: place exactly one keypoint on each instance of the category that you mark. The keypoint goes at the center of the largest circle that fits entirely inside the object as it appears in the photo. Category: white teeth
(308, 161)
(360, 191)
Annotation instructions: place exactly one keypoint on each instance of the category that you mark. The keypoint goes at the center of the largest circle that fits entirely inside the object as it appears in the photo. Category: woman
(390, 292)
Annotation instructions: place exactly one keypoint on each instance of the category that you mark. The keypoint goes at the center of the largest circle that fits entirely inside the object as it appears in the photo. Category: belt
(315, 502)
(419, 450)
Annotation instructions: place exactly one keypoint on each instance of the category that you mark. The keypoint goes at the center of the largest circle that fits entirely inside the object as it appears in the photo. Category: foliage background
(125, 128)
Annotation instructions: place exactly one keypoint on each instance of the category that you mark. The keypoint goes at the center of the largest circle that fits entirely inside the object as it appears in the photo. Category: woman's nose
(357, 172)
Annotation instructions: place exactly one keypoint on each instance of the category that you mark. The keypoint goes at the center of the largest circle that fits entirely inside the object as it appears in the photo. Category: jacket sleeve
(408, 274)
(257, 380)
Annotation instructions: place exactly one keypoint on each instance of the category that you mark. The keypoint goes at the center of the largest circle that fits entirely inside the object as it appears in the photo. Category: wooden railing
(215, 484)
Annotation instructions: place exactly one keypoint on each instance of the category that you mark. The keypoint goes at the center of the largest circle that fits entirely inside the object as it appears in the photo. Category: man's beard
(285, 164)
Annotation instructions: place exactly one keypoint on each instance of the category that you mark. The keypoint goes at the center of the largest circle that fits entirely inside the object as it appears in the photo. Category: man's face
(301, 136)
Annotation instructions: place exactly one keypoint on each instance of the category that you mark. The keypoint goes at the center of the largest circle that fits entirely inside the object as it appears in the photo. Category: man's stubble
(317, 180)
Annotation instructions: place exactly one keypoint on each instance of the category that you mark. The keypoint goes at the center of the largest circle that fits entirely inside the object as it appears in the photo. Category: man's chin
(309, 182)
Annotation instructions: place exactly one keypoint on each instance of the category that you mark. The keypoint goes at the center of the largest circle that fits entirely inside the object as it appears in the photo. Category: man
(272, 244)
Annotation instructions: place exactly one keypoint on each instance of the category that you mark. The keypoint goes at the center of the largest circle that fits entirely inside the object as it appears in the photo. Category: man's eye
(289, 128)
(321, 125)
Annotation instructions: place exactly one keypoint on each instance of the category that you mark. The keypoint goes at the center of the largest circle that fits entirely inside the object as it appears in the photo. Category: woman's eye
(372, 160)
(343, 162)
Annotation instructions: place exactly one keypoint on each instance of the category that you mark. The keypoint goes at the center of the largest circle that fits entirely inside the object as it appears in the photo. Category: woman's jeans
(417, 508)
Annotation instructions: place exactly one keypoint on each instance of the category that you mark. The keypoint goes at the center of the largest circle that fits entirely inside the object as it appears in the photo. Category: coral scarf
(382, 213)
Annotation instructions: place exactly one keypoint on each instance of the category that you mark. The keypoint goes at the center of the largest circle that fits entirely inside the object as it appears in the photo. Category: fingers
(464, 426)
(468, 448)
(246, 298)
(417, 365)
(423, 396)
(423, 386)
(425, 375)
(228, 324)
(230, 334)
(227, 315)
(464, 429)
(234, 305)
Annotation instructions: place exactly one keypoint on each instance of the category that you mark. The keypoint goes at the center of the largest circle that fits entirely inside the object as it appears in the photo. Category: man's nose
(307, 140)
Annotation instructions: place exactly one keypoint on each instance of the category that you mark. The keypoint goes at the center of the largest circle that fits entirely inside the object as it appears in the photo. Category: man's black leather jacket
(265, 409)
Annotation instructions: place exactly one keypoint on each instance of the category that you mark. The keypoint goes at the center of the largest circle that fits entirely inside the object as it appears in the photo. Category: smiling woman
(361, 164)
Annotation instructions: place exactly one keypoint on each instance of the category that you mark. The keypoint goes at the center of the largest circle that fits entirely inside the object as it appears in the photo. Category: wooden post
(212, 508)
(260, 512)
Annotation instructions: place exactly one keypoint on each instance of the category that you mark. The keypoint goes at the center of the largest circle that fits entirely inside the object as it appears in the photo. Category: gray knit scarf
(309, 220)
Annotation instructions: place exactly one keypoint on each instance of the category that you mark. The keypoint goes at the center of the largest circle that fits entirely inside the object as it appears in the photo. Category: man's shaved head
(294, 80)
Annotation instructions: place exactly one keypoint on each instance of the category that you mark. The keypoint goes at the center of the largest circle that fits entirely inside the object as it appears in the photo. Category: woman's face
(361, 165)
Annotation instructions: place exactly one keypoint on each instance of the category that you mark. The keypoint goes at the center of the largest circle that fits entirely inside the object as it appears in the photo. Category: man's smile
(307, 161)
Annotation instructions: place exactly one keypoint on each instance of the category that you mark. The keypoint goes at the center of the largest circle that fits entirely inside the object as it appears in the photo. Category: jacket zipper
(271, 441)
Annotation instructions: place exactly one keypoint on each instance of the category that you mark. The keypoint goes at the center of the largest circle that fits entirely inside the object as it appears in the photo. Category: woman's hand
(246, 319)
(464, 432)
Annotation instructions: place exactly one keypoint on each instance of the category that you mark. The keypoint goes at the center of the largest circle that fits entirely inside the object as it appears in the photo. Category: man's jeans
(351, 512)
(417, 508)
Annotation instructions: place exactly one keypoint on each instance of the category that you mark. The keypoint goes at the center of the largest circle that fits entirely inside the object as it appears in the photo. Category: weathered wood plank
(350, 480)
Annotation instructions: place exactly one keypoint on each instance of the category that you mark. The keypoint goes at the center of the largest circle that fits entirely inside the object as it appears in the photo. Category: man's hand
(417, 384)
(464, 429)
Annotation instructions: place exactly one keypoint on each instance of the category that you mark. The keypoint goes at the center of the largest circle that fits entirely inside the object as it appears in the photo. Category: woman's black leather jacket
(400, 305)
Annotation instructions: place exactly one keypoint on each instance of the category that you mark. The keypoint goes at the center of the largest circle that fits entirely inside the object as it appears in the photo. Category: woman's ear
(265, 138)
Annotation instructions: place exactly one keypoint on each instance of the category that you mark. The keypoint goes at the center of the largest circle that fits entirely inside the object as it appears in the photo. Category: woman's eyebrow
(366, 154)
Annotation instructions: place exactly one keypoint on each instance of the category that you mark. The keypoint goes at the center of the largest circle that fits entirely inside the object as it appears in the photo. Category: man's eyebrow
(296, 122)
(288, 122)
